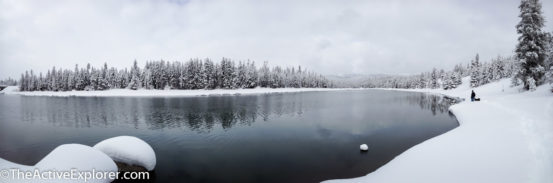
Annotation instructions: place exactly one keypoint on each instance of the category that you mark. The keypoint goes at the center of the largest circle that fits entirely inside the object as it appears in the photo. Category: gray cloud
(330, 37)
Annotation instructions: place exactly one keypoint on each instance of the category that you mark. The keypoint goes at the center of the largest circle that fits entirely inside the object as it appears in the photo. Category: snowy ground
(64, 158)
(507, 137)
(162, 93)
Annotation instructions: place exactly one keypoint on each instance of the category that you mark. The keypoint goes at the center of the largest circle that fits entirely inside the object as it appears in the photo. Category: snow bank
(504, 138)
(167, 93)
(5, 164)
(66, 158)
(82, 158)
(129, 150)
(9, 89)
(76, 156)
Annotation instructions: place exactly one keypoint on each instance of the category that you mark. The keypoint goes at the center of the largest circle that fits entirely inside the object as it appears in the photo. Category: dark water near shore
(294, 137)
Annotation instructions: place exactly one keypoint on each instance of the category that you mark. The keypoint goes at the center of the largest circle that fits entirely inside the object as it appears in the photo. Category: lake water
(292, 137)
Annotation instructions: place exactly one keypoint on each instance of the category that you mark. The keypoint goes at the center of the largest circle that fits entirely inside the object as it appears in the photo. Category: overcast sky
(329, 37)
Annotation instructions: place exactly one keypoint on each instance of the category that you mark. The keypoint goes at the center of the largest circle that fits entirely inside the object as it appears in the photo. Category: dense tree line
(480, 73)
(193, 74)
(8, 82)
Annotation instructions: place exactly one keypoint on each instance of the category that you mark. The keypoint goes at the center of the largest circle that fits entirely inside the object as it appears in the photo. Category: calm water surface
(294, 137)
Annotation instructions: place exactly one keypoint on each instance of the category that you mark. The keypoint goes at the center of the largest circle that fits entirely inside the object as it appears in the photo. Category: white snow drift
(129, 150)
(65, 158)
(82, 158)
(507, 137)
(9, 90)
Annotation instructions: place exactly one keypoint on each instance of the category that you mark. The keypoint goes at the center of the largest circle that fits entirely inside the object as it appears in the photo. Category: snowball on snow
(129, 150)
(364, 147)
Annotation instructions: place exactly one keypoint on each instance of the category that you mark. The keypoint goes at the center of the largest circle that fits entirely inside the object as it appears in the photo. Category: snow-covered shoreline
(506, 137)
(12, 90)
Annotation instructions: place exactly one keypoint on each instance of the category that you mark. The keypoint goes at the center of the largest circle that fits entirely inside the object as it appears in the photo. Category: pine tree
(457, 80)
(475, 75)
(210, 74)
(264, 75)
(251, 81)
(434, 79)
(242, 77)
(103, 83)
(447, 82)
(530, 51)
(549, 60)
(135, 82)
(422, 81)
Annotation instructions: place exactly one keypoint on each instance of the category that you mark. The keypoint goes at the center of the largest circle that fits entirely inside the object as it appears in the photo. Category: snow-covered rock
(5, 164)
(364, 147)
(76, 156)
(129, 150)
(65, 158)
(99, 159)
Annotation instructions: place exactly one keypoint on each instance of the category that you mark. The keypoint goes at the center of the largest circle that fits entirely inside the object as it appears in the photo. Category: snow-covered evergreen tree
(475, 75)
(549, 60)
(135, 82)
(434, 79)
(103, 83)
(251, 72)
(228, 74)
(447, 83)
(456, 79)
(264, 75)
(194, 74)
(531, 49)
(210, 74)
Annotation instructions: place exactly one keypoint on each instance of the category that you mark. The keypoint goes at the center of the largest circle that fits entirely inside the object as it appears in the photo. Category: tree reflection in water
(199, 114)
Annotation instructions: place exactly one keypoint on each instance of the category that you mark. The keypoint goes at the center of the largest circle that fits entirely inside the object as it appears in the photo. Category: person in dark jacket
(472, 96)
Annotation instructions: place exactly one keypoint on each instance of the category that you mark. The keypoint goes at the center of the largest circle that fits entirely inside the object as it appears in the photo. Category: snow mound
(129, 150)
(76, 156)
(66, 158)
(5, 164)
(10, 90)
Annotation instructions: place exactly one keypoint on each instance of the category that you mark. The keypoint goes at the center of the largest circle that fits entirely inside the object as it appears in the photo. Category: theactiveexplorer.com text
(73, 174)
